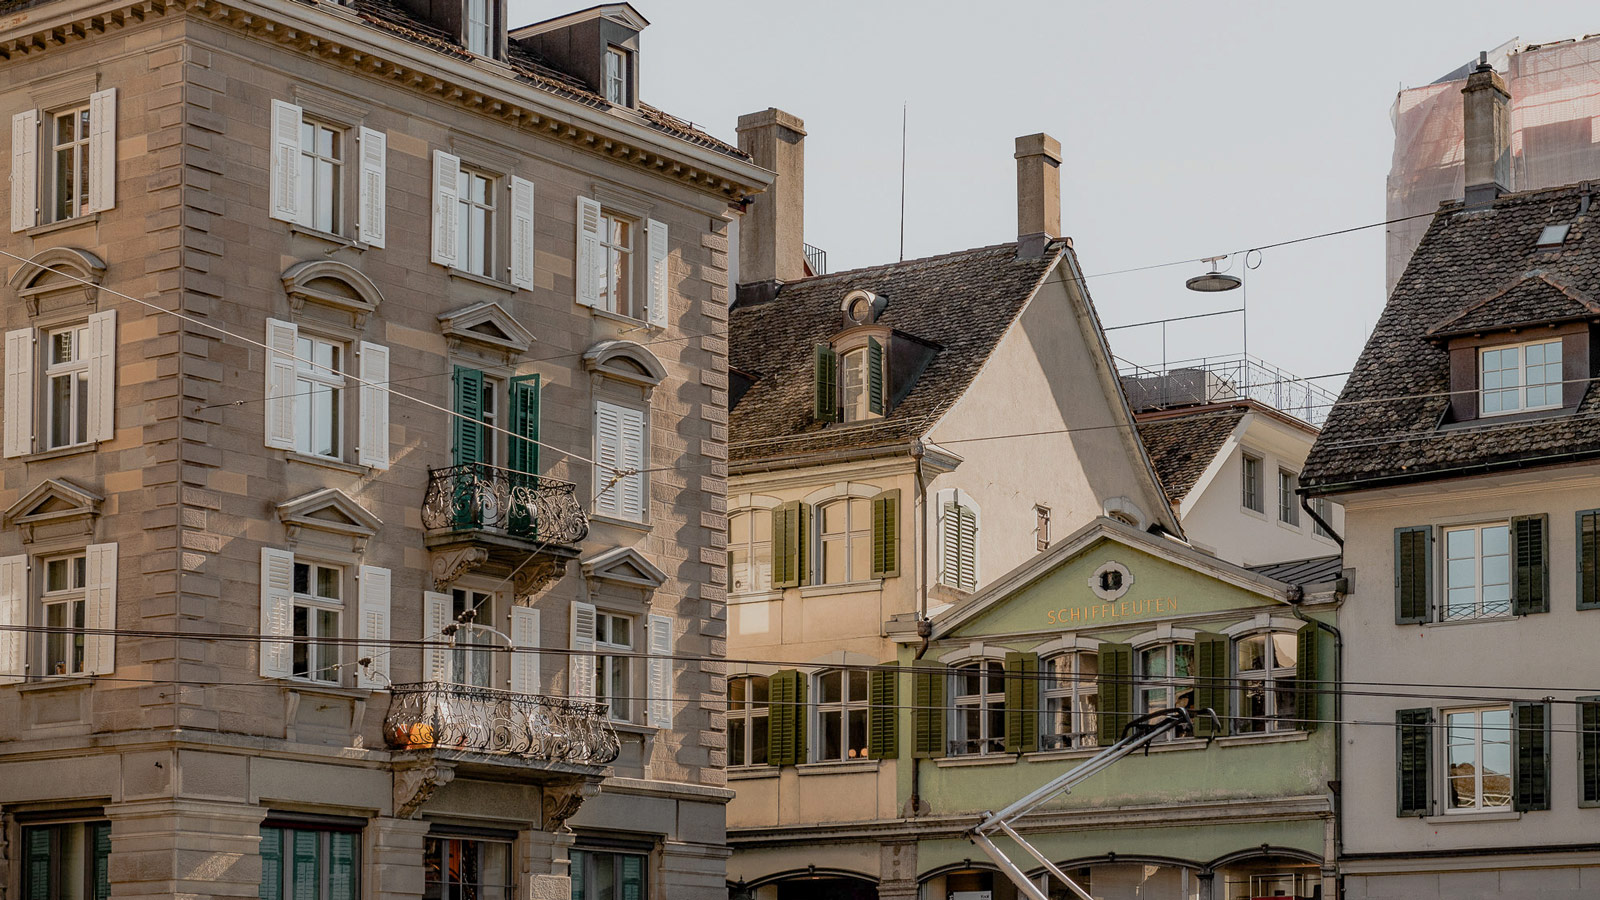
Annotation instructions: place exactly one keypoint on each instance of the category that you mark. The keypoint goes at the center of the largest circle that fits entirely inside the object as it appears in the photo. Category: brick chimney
(772, 232)
(1486, 114)
(1038, 192)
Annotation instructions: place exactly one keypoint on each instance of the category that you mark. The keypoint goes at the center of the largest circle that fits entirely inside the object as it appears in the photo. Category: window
(958, 541)
(1477, 572)
(613, 673)
(1288, 510)
(841, 716)
(319, 379)
(1251, 498)
(854, 405)
(305, 862)
(1070, 700)
(307, 404)
(64, 597)
(979, 725)
(462, 869)
(74, 148)
(318, 165)
(1324, 510)
(846, 531)
(747, 720)
(616, 262)
(1522, 377)
(750, 551)
(477, 27)
(607, 875)
(1265, 666)
(1166, 677)
(69, 163)
(1478, 742)
(321, 175)
(318, 593)
(60, 385)
(620, 484)
(475, 194)
(66, 376)
(1041, 528)
(618, 77)
(472, 660)
(66, 861)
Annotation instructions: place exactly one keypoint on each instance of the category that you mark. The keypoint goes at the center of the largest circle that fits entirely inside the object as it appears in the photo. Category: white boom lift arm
(1136, 735)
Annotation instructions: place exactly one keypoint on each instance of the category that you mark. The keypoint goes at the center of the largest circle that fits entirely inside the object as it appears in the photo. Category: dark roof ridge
(1540, 274)
(936, 259)
(1512, 199)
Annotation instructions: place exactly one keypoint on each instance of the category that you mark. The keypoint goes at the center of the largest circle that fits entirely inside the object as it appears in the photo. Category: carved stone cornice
(561, 802)
(415, 785)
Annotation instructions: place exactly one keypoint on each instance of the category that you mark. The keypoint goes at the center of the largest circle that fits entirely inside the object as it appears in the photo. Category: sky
(1188, 130)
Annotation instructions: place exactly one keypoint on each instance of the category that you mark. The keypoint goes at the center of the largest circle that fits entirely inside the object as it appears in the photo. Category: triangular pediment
(332, 510)
(1533, 299)
(487, 324)
(53, 500)
(623, 565)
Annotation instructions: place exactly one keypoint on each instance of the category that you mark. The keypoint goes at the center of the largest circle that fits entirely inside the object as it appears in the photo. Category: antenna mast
(903, 107)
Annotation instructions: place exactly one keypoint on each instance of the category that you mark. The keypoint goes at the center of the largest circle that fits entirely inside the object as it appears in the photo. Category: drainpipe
(924, 625)
(1305, 504)
(1297, 596)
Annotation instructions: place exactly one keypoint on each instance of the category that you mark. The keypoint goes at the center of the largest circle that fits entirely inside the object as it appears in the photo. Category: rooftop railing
(1221, 379)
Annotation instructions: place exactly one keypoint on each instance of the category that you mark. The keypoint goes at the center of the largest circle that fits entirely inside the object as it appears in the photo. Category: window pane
(328, 583)
(758, 740)
(856, 744)
(829, 684)
(758, 692)
(832, 738)
(736, 737)
(1252, 653)
(736, 693)
(858, 687)
(1284, 650)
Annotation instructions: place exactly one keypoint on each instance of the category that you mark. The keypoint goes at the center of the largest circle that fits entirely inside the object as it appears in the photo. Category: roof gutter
(1484, 468)
(913, 449)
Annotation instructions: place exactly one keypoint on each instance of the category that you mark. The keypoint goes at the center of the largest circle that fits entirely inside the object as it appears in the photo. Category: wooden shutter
(1022, 702)
(40, 865)
(658, 632)
(281, 337)
(1589, 751)
(14, 613)
(1211, 682)
(446, 208)
(1115, 690)
(929, 687)
(1589, 559)
(277, 612)
(1530, 768)
(826, 407)
(886, 534)
(102, 394)
(100, 609)
(436, 618)
(372, 613)
(522, 451)
(19, 392)
(1530, 564)
(103, 150)
(633, 502)
(525, 661)
(876, 382)
(958, 541)
(589, 269)
(372, 213)
(883, 711)
(285, 176)
(1413, 574)
(786, 718)
(790, 527)
(24, 170)
(657, 274)
(581, 660)
(1413, 761)
(1308, 686)
(522, 233)
(102, 860)
(467, 424)
(607, 452)
(373, 447)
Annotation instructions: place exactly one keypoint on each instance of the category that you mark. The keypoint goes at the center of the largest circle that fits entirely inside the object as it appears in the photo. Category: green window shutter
(1414, 752)
(886, 534)
(827, 384)
(1413, 574)
(522, 452)
(38, 849)
(1530, 565)
(1022, 702)
(875, 381)
(786, 719)
(632, 876)
(102, 860)
(927, 712)
(1589, 751)
(1115, 689)
(1530, 769)
(341, 866)
(1307, 685)
(1589, 559)
(468, 425)
(790, 524)
(883, 712)
(1211, 682)
(271, 864)
(305, 868)
(578, 861)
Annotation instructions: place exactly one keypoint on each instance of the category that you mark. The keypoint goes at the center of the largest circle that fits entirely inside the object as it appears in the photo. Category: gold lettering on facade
(1126, 609)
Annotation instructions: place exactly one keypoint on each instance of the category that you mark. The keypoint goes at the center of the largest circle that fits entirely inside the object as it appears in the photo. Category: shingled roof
(960, 302)
(1478, 269)
(1182, 446)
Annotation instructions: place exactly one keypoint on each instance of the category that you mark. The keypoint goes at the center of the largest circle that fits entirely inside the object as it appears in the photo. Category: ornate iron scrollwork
(454, 716)
(477, 496)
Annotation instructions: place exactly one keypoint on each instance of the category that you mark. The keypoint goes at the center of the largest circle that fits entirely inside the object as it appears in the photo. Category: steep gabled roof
(1182, 446)
(1533, 299)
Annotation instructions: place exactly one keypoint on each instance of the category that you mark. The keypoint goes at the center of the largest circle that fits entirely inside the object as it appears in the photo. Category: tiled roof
(1533, 299)
(1386, 425)
(1181, 447)
(960, 302)
(1316, 570)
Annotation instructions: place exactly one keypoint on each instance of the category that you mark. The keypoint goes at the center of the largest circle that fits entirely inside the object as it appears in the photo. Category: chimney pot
(1038, 192)
(1486, 121)
(772, 230)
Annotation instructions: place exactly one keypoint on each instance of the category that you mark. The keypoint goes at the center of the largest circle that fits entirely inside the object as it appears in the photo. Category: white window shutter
(607, 455)
(373, 612)
(435, 619)
(24, 170)
(281, 337)
(634, 504)
(968, 555)
(522, 233)
(659, 299)
(102, 352)
(581, 662)
(591, 264)
(446, 208)
(19, 392)
(285, 177)
(100, 609)
(371, 224)
(13, 611)
(103, 150)
(524, 661)
(373, 449)
(660, 688)
(277, 613)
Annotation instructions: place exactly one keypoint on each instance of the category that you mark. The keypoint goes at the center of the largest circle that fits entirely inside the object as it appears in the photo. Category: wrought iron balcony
(478, 497)
(435, 716)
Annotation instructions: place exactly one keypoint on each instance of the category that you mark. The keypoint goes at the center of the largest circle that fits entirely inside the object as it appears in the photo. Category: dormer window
(618, 77)
(857, 399)
(1520, 377)
(852, 379)
(478, 28)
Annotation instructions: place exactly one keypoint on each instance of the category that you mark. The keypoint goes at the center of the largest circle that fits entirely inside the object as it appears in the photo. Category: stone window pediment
(332, 284)
(57, 271)
(486, 326)
(53, 502)
(625, 361)
(623, 565)
(330, 511)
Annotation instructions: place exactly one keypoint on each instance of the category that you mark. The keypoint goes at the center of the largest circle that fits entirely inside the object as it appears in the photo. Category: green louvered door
(928, 712)
(786, 722)
(826, 363)
(1531, 762)
(877, 384)
(1589, 559)
(886, 534)
(1413, 574)
(1308, 687)
(1413, 762)
(791, 526)
(1589, 751)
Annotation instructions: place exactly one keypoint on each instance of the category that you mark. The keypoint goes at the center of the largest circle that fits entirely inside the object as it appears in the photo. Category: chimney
(1486, 114)
(1038, 193)
(772, 231)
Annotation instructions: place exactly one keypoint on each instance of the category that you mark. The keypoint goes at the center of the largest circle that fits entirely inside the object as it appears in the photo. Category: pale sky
(1188, 130)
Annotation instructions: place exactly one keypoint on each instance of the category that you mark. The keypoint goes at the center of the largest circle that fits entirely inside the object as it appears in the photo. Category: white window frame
(989, 702)
(615, 672)
(619, 264)
(854, 396)
(845, 708)
(855, 535)
(756, 554)
(473, 654)
(1476, 733)
(466, 176)
(78, 149)
(74, 598)
(321, 200)
(1173, 686)
(314, 603)
(313, 380)
(1522, 386)
(77, 371)
(1074, 694)
(1288, 512)
(1324, 508)
(743, 713)
(1270, 682)
(477, 26)
(619, 63)
(1480, 607)
(1251, 490)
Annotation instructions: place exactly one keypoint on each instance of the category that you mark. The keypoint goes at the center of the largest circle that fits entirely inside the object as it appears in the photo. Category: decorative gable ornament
(53, 502)
(331, 511)
(486, 326)
(862, 307)
(623, 565)
(1111, 581)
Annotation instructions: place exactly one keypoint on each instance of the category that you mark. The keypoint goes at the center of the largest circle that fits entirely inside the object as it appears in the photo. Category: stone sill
(754, 597)
(752, 773)
(486, 281)
(960, 762)
(630, 321)
(48, 227)
(337, 465)
(1499, 815)
(848, 587)
(837, 767)
(55, 683)
(624, 523)
(328, 236)
(60, 452)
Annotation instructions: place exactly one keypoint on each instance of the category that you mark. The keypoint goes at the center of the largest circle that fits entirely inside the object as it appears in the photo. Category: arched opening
(1279, 872)
(808, 884)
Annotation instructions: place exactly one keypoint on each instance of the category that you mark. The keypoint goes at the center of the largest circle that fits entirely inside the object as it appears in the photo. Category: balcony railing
(816, 260)
(435, 716)
(477, 496)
